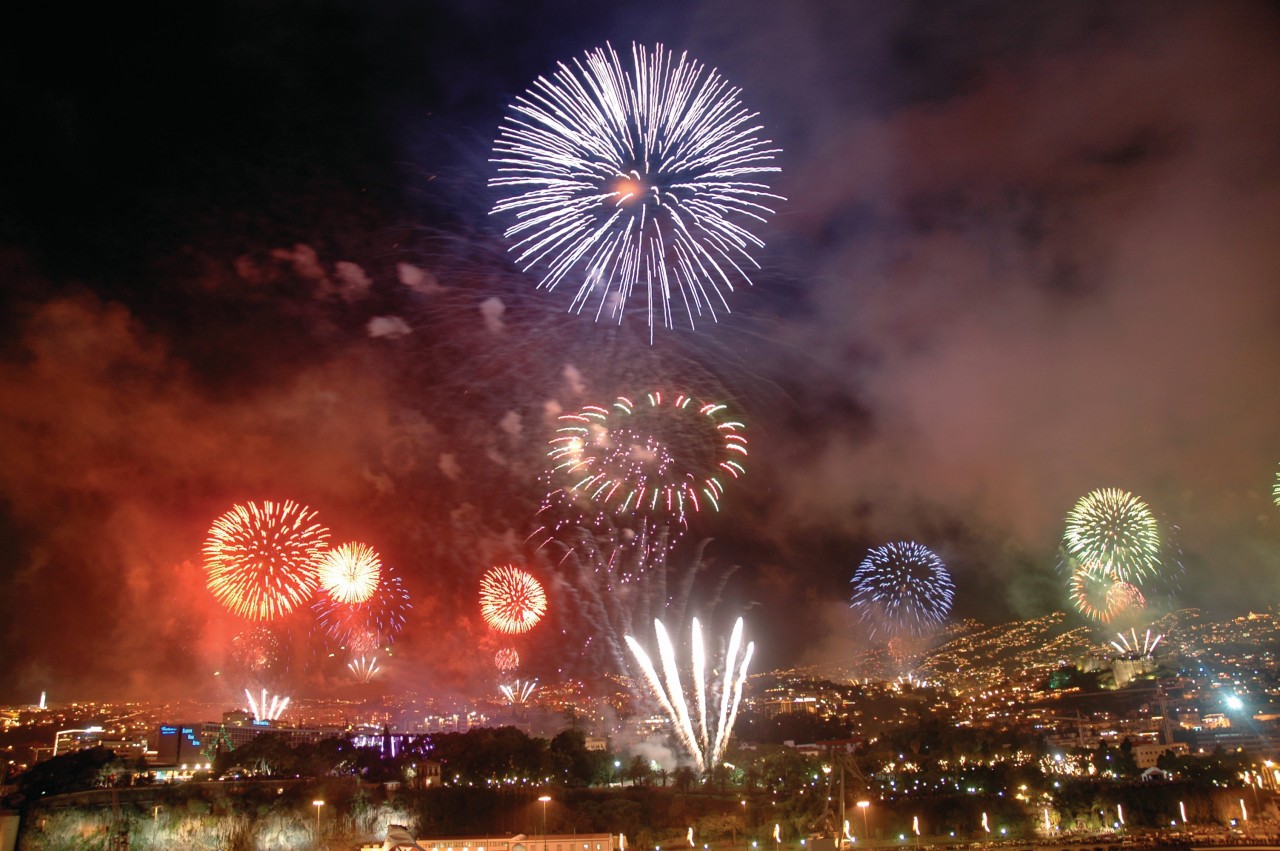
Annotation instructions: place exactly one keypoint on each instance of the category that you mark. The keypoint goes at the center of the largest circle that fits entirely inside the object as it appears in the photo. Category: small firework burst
(511, 600)
(350, 573)
(506, 659)
(902, 589)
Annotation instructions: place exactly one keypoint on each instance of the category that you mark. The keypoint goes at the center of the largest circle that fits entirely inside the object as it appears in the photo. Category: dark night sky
(1029, 250)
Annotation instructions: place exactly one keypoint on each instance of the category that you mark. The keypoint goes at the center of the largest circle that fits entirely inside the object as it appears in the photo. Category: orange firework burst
(350, 573)
(511, 600)
(261, 558)
(506, 659)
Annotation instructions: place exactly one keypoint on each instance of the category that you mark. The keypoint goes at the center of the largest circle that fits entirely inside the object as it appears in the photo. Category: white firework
(1145, 647)
(264, 710)
(642, 177)
(518, 692)
(364, 667)
(704, 738)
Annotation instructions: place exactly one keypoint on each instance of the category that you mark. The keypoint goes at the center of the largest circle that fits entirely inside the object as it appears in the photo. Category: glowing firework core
(261, 559)
(704, 739)
(350, 573)
(511, 600)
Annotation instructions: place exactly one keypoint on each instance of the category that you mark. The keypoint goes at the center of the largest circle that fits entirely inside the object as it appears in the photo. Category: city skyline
(1026, 252)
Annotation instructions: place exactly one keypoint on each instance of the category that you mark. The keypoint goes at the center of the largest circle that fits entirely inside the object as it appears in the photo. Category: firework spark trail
(364, 667)
(635, 177)
(705, 745)
(261, 559)
(700, 682)
(264, 711)
(1145, 648)
(1112, 531)
(511, 600)
(518, 692)
(609, 593)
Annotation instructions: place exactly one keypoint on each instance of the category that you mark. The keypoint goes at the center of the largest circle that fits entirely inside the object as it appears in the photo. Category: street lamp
(866, 831)
(543, 800)
(317, 805)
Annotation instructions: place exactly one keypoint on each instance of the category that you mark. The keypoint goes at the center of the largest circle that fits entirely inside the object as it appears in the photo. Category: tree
(639, 772)
(73, 772)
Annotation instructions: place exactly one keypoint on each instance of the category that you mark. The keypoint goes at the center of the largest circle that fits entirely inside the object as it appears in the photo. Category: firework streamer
(637, 182)
(607, 591)
(373, 623)
(364, 667)
(705, 745)
(654, 460)
(262, 710)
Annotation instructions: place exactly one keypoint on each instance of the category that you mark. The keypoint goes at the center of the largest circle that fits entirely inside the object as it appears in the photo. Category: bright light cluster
(704, 738)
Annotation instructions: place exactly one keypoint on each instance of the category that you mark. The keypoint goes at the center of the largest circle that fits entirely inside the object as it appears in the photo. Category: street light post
(864, 806)
(317, 805)
(544, 800)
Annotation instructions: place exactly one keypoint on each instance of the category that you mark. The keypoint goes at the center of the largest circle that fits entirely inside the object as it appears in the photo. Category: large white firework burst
(704, 737)
(643, 178)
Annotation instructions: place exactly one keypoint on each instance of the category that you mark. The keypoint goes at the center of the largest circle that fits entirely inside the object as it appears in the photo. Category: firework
(657, 458)
(1136, 648)
(1103, 597)
(609, 583)
(1115, 533)
(902, 588)
(635, 178)
(256, 649)
(262, 710)
(1275, 489)
(704, 738)
(364, 667)
(511, 600)
(349, 573)
(375, 622)
(261, 558)
(506, 659)
(518, 692)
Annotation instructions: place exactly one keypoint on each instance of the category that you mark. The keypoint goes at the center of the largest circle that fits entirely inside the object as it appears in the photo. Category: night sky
(1029, 249)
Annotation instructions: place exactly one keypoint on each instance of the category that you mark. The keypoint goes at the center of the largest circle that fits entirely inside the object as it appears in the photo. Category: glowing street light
(1182, 811)
(544, 800)
(317, 805)
(864, 806)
